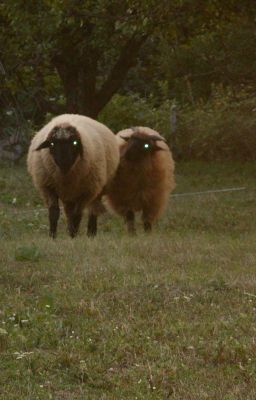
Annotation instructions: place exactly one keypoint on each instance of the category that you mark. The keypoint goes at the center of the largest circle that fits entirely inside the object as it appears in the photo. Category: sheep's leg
(92, 225)
(74, 216)
(130, 222)
(74, 224)
(147, 221)
(53, 211)
(54, 214)
(147, 226)
(96, 208)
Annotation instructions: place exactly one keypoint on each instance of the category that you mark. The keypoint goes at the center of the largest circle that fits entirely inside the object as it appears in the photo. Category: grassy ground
(169, 315)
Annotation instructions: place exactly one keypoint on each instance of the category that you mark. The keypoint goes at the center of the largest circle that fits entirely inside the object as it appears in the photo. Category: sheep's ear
(43, 145)
(158, 148)
(126, 138)
(157, 137)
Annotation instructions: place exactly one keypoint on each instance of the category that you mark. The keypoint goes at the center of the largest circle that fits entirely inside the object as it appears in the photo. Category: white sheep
(145, 176)
(73, 158)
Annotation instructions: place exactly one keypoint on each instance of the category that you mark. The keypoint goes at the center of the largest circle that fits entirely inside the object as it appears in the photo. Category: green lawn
(170, 315)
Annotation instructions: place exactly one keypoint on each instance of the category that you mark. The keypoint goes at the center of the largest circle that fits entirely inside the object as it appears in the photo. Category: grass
(169, 315)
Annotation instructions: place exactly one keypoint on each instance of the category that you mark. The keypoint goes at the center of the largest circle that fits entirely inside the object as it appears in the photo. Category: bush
(126, 111)
(222, 128)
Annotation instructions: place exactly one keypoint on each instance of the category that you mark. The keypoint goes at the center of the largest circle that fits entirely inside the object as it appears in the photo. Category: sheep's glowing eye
(75, 142)
(52, 144)
(146, 146)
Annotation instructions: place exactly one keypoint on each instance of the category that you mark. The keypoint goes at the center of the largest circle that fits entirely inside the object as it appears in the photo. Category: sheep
(145, 176)
(73, 159)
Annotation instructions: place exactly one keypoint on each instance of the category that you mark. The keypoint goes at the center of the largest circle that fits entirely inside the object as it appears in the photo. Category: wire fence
(175, 196)
(209, 192)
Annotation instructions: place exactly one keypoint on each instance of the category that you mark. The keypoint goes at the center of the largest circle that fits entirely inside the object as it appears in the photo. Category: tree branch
(50, 107)
(125, 61)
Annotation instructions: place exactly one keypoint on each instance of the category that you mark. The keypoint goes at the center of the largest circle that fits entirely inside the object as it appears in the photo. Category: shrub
(127, 111)
(222, 128)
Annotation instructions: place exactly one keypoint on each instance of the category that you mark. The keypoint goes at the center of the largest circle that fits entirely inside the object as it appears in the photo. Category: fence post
(173, 123)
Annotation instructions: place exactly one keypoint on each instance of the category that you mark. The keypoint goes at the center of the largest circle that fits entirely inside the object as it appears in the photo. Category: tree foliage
(74, 55)
(88, 46)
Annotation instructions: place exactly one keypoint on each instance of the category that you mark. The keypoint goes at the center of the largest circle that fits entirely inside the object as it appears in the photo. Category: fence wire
(176, 195)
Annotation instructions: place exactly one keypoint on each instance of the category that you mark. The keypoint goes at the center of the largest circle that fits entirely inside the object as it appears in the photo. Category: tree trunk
(79, 77)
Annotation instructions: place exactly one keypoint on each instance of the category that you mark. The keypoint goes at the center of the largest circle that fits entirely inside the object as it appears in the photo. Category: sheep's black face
(138, 148)
(65, 152)
(65, 146)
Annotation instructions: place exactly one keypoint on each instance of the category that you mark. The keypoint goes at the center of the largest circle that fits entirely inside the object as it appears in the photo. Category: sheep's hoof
(52, 234)
(92, 226)
(91, 234)
(73, 233)
(147, 226)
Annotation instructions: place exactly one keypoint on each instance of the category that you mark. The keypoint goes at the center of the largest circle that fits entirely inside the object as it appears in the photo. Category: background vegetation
(128, 64)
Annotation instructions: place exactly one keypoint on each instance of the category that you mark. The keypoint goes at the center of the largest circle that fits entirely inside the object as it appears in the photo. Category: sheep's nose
(63, 164)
